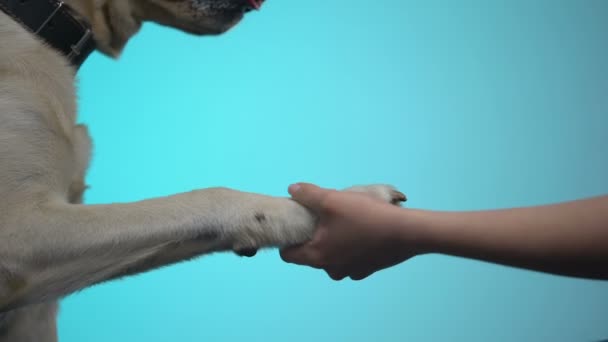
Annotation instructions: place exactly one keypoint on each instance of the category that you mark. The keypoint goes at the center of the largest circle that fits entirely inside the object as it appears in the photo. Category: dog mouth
(218, 6)
(217, 16)
(255, 4)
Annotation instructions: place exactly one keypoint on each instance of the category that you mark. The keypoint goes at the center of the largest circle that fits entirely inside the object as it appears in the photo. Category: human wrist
(415, 230)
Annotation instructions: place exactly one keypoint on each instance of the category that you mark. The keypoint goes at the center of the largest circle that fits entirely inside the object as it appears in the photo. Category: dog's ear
(113, 22)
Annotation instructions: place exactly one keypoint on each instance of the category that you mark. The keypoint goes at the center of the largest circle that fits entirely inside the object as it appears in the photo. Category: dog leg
(61, 248)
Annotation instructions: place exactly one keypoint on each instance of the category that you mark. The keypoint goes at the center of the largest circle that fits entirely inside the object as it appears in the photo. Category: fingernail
(293, 188)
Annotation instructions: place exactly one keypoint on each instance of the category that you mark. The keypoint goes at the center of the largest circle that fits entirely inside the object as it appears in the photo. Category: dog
(51, 244)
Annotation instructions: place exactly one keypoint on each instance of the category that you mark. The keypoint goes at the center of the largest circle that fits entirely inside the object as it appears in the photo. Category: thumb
(309, 195)
(300, 255)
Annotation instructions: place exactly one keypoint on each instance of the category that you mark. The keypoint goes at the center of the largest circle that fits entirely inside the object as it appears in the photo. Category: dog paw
(272, 222)
(280, 222)
(386, 193)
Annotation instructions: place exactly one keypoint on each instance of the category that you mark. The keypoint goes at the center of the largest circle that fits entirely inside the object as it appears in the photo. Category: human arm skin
(357, 236)
(568, 238)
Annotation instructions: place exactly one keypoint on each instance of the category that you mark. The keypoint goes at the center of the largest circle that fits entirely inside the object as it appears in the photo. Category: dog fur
(52, 245)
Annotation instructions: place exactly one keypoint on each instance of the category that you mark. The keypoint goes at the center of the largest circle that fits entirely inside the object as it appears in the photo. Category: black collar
(52, 21)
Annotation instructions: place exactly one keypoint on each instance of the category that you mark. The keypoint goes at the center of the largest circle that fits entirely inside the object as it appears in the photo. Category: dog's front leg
(60, 248)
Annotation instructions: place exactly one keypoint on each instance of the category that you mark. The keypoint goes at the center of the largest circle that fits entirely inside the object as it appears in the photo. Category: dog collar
(55, 23)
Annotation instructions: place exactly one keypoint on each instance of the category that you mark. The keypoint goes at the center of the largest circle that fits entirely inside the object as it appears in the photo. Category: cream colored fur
(50, 244)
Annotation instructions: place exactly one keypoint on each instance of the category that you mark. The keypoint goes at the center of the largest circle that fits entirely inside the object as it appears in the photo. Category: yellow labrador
(50, 244)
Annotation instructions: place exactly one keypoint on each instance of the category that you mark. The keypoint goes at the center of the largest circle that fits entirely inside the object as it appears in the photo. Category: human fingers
(309, 195)
(301, 255)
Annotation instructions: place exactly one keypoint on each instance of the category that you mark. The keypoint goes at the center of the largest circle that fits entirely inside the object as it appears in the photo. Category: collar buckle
(77, 48)
(71, 36)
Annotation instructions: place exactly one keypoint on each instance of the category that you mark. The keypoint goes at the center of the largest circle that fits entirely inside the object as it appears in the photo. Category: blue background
(462, 104)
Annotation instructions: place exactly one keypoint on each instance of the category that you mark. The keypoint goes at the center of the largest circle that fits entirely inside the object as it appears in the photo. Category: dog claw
(246, 252)
(398, 197)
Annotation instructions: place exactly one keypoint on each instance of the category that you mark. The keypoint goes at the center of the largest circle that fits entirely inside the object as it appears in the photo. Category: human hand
(356, 234)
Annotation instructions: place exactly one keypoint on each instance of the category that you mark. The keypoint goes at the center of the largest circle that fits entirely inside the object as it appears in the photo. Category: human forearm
(569, 238)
